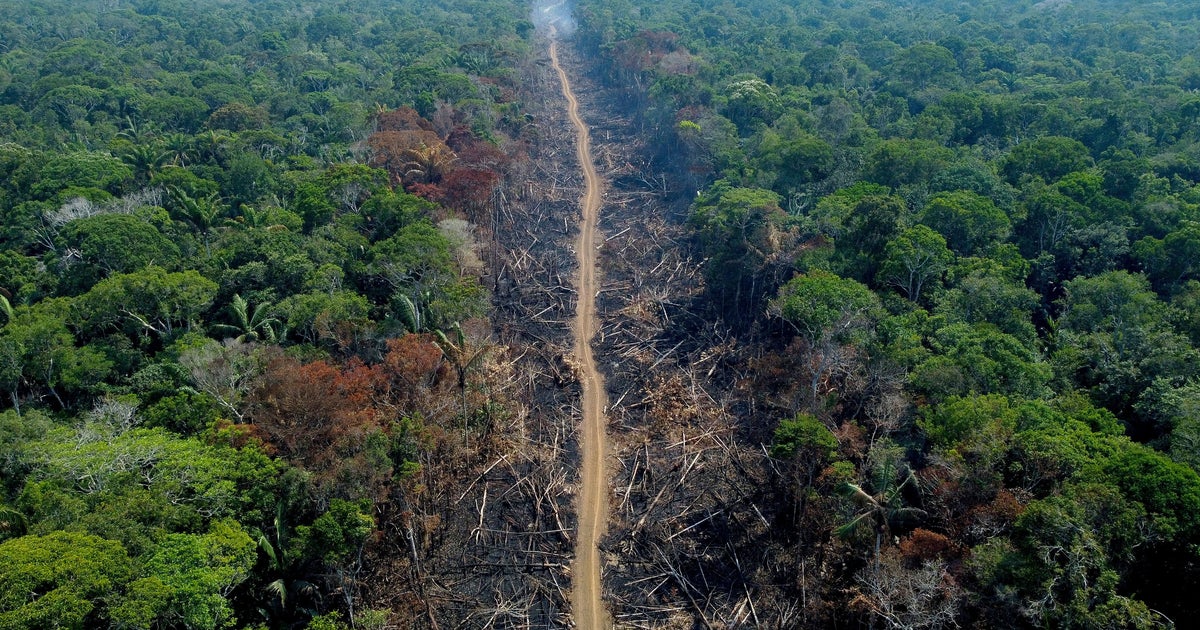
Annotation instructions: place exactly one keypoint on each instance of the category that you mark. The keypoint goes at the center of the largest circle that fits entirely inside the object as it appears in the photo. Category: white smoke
(553, 13)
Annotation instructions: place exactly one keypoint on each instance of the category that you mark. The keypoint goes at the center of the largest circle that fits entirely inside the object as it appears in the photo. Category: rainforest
(600, 314)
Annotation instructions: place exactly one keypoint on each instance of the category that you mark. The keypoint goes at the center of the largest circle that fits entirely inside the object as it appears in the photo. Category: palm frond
(408, 313)
(279, 589)
(268, 549)
(848, 528)
(855, 492)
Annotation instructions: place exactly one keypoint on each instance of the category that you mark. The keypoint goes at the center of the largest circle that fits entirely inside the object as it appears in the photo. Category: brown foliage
(460, 138)
(411, 156)
(852, 441)
(482, 155)
(923, 545)
(412, 369)
(305, 409)
(994, 518)
(469, 190)
(475, 152)
(324, 417)
(402, 119)
(432, 192)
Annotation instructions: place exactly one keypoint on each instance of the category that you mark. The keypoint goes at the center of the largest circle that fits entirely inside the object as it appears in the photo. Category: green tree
(11, 370)
(914, 259)
(415, 260)
(797, 157)
(834, 317)
(80, 170)
(38, 350)
(740, 231)
(119, 243)
(925, 64)
(834, 215)
(72, 103)
(152, 301)
(337, 538)
(897, 163)
(1072, 546)
(418, 262)
(989, 295)
(247, 178)
(1173, 260)
(969, 221)
(750, 101)
(979, 359)
(237, 117)
(1047, 157)
(60, 580)
(806, 448)
(807, 443)
(112, 478)
(316, 316)
(1169, 491)
(821, 306)
(1114, 338)
(875, 220)
(968, 419)
(197, 573)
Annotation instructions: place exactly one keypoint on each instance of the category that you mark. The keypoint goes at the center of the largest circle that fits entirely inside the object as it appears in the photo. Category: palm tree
(464, 357)
(178, 147)
(201, 213)
(882, 509)
(145, 159)
(251, 324)
(135, 134)
(427, 164)
(280, 564)
(211, 146)
(251, 217)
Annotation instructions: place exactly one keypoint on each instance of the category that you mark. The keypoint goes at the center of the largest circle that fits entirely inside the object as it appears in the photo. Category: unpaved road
(586, 602)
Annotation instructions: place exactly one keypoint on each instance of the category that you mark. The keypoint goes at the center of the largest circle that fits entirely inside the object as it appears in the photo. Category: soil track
(586, 602)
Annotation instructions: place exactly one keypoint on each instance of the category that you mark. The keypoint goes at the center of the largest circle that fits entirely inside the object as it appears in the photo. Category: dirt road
(589, 610)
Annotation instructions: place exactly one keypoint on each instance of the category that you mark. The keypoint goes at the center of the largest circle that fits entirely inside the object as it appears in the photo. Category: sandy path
(586, 599)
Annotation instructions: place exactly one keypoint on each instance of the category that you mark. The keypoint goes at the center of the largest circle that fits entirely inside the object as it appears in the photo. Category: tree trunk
(61, 404)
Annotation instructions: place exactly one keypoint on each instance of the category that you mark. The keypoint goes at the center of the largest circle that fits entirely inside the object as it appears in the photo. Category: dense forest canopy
(247, 255)
(228, 234)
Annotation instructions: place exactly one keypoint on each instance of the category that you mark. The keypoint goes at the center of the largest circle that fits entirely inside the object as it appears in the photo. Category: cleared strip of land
(586, 600)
